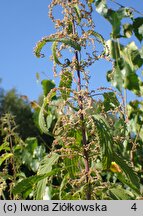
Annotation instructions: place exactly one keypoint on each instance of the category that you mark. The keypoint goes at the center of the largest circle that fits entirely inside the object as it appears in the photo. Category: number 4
(134, 207)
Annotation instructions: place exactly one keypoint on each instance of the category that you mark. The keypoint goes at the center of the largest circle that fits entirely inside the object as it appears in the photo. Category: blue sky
(22, 24)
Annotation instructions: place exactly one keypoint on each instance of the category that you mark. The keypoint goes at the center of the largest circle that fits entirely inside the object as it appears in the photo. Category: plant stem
(84, 141)
(11, 149)
(12, 160)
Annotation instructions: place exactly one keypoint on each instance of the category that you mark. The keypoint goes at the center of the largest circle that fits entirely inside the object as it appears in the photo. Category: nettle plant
(93, 155)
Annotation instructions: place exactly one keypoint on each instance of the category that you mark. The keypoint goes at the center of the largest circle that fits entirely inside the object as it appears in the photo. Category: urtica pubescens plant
(87, 159)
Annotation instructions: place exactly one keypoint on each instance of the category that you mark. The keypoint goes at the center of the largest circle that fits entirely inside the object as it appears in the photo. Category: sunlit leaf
(141, 30)
(133, 52)
(54, 48)
(4, 157)
(63, 185)
(128, 170)
(137, 26)
(45, 40)
(65, 84)
(105, 140)
(122, 178)
(49, 120)
(101, 7)
(42, 120)
(47, 86)
(77, 11)
(119, 194)
(127, 61)
(29, 183)
(31, 144)
(114, 17)
(71, 165)
(5, 146)
(110, 101)
(44, 168)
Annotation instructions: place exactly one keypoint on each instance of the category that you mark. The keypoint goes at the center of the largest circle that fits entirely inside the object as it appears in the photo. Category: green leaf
(47, 85)
(5, 147)
(45, 167)
(5, 157)
(101, 7)
(49, 120)
(65, 83)
(115, 77)
(77, 11)
(137, 28)
(119, 194)
(141, 30)
(127, 61)
(128, 170)
(71, 165)
(79, 194)
(115, 21)
(105, 140)
(45, 40)
(54, 48)
(69, 27)
(132, 62)
(133, 54)
(110, 101)
(63, 185)
(114, 48)
(31, 144)
(28, 183)
(47, 163)
(141, 52)
(125, 181)
(114, 17)
(135, 115)
(42, 121)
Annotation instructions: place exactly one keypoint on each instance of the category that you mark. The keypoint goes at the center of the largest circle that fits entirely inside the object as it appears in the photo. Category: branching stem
(84, 141)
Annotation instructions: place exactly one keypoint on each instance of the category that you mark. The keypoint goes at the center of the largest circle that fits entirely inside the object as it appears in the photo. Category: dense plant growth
(96, 135)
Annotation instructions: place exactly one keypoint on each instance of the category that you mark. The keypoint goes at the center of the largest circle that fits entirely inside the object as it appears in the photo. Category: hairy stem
(84, 141)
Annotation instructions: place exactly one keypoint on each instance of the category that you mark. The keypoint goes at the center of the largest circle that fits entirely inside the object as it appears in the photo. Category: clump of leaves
(18, 158)
(9, 165)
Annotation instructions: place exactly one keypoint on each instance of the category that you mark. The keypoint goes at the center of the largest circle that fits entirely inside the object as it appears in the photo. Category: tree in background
(22, 144)
(12, 103)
